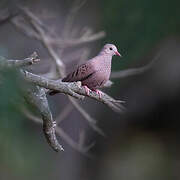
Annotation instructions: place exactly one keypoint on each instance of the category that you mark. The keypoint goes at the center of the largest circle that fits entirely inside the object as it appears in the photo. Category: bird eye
(110, 48)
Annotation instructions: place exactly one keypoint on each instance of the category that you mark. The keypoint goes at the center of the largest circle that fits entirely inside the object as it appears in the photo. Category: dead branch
(37, 97)
(64, 113)
(33, 27)
(44, 38)
(80, 147)
(73, 89)
(74, 42)
(20, 63)
(134, 71)
(75, 7)
(91, 121)
(34, 21)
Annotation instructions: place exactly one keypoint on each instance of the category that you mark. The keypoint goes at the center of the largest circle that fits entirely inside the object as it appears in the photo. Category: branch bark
(73, 89)
(44, 38)
(37, 97)
(80, 147)
(19, 63)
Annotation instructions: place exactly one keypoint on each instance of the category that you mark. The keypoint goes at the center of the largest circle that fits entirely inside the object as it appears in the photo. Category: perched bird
(95, 72)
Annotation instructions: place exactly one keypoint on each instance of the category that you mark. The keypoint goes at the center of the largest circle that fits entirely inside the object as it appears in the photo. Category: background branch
(37, 97)
(134, 71)
(61, 68)
(6, 15)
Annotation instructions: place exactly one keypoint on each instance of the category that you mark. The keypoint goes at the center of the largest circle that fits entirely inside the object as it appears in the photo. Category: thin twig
(64, 113)
(22, 26)
(134, 71)
(91, 121)
(75, 6)
(74, 42)
(45, 41)
(20, 63)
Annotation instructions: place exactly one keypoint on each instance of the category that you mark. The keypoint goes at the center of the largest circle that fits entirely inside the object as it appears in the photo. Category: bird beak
(118, 54)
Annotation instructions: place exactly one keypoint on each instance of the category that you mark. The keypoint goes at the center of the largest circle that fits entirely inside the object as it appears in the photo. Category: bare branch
(19, 63)
(64, 113)
(72, 143)
(37, 97)
(76, 5)
(19, 23)
(25, 62)
(45, 41)
(51, 84)
(66, 40)
(54, 55)
(78, 147)
(74, 42)
(134, 71)
(82, 140)
(73, 89)
(34, 27)
(90, 120)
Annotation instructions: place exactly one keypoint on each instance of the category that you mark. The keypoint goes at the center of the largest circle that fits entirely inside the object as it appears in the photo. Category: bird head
(110, 49)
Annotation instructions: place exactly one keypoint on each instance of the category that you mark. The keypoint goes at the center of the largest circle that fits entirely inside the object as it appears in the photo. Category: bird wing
(81, 73)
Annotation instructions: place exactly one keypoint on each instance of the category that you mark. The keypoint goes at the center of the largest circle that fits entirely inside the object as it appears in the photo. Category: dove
(95, 72)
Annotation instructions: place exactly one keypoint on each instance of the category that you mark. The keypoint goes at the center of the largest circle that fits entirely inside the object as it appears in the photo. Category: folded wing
(81, 73)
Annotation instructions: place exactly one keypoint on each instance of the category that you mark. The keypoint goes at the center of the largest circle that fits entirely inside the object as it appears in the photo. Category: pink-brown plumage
(95, 72)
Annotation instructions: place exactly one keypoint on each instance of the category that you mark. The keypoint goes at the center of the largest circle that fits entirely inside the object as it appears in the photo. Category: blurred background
(141, 144)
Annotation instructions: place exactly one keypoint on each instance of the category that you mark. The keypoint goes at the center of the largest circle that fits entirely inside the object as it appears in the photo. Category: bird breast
(103, 67)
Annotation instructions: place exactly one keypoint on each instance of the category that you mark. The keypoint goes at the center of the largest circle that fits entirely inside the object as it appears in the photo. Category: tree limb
(45, 40)
(77, 146)
(19, 63)
(34, 21)
(74, 42)
(37, 97)
(73, 89)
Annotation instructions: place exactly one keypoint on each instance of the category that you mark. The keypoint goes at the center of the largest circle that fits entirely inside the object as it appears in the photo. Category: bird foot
(98, 92)
(87, 90)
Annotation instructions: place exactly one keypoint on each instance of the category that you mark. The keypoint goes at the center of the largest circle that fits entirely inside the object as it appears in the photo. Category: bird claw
(99, 93)
(87, 90)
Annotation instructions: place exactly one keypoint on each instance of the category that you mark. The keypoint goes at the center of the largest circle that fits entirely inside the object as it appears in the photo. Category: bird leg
(98, 92)
(87, 90)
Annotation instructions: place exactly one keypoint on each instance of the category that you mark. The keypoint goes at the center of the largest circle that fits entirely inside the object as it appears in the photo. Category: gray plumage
(96, 71)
